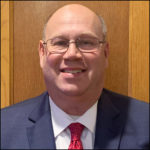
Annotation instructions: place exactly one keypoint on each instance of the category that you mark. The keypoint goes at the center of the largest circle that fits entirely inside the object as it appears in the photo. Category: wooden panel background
(139, 50)
(122, 75)
(5, 61)
(6, 53)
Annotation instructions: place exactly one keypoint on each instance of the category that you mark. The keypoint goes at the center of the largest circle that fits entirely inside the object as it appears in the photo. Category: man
(76, 112)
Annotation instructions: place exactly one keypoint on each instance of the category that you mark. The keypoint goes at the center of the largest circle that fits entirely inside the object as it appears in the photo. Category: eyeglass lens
(62, 44)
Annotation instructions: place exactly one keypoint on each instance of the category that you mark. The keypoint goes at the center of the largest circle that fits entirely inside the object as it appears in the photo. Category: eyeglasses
(61, 45)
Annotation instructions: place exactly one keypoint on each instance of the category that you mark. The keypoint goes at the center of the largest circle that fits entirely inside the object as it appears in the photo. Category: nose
(72, 52)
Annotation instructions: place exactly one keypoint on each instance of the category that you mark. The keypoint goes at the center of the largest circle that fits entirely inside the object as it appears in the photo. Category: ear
(41, 52)
(41, 48)
(106, 52)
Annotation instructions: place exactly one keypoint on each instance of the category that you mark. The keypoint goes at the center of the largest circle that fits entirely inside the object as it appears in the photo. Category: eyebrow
(89, 34)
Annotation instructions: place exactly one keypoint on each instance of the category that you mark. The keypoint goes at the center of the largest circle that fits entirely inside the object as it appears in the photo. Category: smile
(73, 71)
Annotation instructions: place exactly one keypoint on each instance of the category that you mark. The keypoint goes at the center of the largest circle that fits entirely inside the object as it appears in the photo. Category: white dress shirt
(61, 121)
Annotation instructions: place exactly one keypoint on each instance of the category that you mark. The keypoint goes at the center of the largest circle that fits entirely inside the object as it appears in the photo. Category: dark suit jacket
(122, 123)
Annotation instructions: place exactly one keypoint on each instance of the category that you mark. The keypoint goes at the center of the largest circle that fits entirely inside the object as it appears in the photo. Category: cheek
(51, 65)
(97, 65)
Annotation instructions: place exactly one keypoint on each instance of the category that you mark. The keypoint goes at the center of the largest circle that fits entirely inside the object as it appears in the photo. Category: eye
(87, 43)
(59, 42)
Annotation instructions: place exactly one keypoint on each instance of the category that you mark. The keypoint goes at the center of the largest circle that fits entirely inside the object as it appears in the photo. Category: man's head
(74, 72)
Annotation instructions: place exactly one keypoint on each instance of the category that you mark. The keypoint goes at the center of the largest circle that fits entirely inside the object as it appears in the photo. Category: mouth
(72, 70)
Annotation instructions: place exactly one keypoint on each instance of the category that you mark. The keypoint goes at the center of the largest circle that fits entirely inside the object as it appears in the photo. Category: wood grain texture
(5, 55)
(139, 50)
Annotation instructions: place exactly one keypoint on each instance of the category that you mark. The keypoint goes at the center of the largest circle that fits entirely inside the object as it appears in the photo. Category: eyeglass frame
(69, 42)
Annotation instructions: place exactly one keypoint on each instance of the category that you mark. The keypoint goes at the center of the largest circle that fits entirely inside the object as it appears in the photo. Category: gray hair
(104, 28)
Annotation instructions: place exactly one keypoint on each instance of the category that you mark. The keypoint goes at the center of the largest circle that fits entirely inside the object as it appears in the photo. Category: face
(74, 73)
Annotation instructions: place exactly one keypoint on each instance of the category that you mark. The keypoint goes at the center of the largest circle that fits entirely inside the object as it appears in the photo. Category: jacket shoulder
(134, 111)
(120, 100)
(135, 117)
(21, 109)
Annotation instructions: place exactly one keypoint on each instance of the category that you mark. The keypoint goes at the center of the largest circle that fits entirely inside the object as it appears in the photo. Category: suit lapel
(40, 134)
(108, 126)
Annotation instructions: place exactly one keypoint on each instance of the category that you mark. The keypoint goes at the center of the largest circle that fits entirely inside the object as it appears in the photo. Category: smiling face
(74, 73)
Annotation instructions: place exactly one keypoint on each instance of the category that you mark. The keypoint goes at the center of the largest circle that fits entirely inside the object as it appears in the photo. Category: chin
(72, 91)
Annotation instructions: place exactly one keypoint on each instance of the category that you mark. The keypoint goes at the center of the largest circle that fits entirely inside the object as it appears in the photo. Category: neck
(75, 105)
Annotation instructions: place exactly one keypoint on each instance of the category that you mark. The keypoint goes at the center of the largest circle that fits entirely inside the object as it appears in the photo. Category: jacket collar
(109, 124)
(40, 134)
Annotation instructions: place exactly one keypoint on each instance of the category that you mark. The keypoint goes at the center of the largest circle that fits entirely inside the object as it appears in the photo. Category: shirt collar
(62, 120)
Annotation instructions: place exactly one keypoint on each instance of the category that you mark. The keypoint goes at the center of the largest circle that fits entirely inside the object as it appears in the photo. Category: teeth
(72, 71)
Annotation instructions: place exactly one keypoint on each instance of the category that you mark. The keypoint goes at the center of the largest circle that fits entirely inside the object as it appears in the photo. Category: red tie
(76, 131)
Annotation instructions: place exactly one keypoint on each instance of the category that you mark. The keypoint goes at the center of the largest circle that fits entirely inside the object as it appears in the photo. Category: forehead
(73, 21)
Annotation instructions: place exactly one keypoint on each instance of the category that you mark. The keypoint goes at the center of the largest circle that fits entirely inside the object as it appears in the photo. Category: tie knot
(76, 131)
